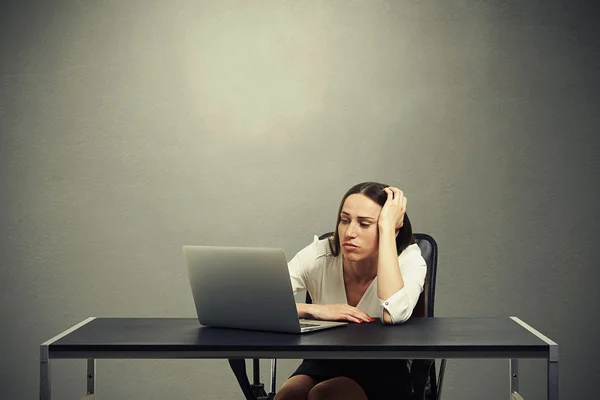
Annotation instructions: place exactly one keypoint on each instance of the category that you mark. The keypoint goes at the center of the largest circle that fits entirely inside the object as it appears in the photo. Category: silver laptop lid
(242, 287)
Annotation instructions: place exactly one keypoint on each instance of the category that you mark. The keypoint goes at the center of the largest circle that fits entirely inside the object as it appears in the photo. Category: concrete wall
(130, 128)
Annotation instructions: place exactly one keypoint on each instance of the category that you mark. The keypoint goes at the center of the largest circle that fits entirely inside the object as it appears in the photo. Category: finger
(365, 318)
(401, 199)
(400, 196)
(397, 193)
(390, 194)
(357, 312)
(402, 207)
(362, 317)
(349, 317)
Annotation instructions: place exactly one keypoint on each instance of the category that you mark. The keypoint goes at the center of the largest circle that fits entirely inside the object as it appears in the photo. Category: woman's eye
(344, 221)
(365, 225)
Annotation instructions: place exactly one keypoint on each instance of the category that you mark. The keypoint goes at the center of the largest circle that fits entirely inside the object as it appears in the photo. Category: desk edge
(44, 354)
(553, 346)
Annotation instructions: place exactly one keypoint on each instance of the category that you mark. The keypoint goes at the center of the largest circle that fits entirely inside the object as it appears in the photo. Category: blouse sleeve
(413, 268)
(300, 265)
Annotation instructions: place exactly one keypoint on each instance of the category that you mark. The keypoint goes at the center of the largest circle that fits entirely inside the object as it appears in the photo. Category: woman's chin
(351, 256)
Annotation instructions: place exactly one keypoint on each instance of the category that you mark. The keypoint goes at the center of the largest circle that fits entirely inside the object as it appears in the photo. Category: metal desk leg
(553, 373)
(45, 392)
(91, 378)
(513, 374)
(552, 359)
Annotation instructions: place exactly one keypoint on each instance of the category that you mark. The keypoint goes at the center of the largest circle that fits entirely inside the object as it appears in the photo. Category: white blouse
(316, 270)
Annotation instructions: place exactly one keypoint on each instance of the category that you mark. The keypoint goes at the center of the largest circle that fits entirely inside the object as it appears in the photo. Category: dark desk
(425, 338)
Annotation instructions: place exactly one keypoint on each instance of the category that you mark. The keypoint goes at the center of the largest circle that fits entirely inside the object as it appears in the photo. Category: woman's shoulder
(316, 253)
(411, 253)
(411, 249)
(411, 256)
(318, 249)
(322, 247)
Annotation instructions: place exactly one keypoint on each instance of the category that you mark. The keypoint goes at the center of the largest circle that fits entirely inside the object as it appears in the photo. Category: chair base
(251, 392)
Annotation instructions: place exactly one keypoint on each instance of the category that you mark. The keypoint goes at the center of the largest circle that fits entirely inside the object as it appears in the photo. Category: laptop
(245, 288)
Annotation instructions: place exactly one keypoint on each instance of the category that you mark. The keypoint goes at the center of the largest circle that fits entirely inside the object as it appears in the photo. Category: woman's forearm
(389, 278)
(305, 310)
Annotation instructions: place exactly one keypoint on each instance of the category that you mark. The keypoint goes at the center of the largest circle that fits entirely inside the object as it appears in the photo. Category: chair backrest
(429, 251)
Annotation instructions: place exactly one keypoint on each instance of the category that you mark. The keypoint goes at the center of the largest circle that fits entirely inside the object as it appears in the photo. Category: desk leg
(513, 374)
(552, 359)
(45, 380)
(91, 380)
(553, 379)
(44, 374)
(91, 376)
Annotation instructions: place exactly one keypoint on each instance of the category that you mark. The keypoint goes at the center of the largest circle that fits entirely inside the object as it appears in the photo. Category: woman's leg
(340, 388)
(296, 388)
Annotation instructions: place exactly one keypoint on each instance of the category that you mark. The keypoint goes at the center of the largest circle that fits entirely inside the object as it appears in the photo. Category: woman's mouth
(349, 246)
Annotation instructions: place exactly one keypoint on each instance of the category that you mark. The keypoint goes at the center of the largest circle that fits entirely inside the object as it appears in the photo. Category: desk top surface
(186, 334)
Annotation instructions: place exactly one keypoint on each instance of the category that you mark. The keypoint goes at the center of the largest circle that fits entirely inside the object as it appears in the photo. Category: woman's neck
(360, 272)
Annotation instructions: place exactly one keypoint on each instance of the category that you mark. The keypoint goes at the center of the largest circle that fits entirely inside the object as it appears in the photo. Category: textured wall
(131, 128)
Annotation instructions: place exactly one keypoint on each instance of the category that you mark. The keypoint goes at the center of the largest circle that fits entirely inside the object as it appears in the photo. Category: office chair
(426, 385)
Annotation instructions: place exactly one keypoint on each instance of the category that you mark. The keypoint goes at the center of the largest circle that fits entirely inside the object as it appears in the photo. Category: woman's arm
(389, 277)
(305, 310)
(391, 218)
(398, 307)
(332, 312)
(398, 287)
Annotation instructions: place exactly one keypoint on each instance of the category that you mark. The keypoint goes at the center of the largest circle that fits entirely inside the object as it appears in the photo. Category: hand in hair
(392, 213)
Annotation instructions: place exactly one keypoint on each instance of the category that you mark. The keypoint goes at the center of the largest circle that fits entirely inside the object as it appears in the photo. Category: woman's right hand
(339, 312)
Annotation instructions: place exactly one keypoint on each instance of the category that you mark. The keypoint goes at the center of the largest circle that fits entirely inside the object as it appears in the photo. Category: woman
(380, 274)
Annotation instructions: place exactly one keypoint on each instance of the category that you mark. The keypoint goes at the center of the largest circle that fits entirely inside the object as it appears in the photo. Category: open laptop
(245, 288)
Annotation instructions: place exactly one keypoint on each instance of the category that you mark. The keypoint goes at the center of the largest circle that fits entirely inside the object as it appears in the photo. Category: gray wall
(131, 128)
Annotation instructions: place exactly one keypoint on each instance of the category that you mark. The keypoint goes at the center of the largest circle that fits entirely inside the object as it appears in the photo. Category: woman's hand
(339, 312)
(392, 213)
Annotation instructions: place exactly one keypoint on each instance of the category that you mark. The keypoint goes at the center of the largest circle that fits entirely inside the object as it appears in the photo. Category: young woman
(371, 268)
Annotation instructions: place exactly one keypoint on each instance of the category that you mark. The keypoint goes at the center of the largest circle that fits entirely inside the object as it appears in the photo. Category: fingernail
(359, 321)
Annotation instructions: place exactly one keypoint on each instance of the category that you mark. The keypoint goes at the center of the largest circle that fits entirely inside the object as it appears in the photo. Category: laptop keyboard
(305, 325)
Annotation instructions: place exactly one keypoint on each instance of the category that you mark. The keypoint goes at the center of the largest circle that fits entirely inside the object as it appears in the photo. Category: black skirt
(380, 379)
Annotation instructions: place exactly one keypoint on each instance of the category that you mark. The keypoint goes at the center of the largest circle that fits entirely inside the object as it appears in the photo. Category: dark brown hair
(374, 191)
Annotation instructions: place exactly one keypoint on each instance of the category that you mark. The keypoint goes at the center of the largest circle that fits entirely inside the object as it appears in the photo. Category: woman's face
(358, 231)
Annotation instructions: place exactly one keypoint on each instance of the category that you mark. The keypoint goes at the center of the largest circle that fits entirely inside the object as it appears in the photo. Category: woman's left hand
(392, 212)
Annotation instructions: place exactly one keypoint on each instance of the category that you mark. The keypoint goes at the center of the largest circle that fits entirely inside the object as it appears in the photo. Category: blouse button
(387, 304)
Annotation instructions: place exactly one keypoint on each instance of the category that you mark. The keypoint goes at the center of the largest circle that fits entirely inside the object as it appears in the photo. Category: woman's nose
(351, 231)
